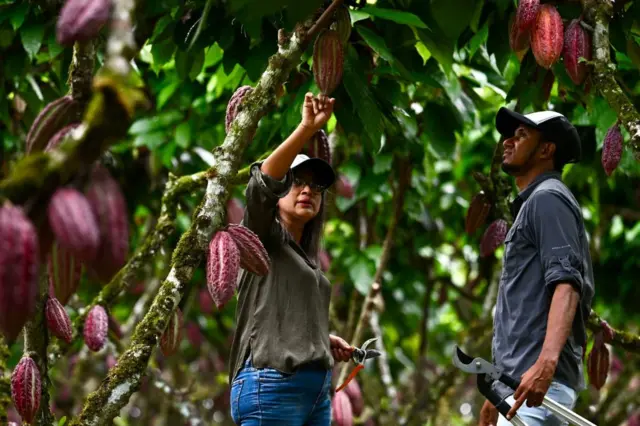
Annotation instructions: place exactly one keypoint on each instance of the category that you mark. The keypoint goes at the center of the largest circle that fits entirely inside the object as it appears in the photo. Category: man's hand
(534, 385)
(340, 349)
(488, 415)
(316, 111)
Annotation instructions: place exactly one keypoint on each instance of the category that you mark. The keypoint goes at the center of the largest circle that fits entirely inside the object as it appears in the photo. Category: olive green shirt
(282, 319)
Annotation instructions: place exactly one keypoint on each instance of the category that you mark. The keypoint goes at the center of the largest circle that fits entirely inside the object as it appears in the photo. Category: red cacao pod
(74, 224)
(319, 146)
(96, 327)
(194, 335)
(234, 102)
(342, 23)
(65, 272)
(110, 209)
(81, 20)
(577, 44)
(355, 397)
(612, 149)
(634, 420)
(235, 211)
(205, 302)
(328, 61)
(547, 38)
(253, 256)
(342, 409)
(477, 213)
(522, 24)
(493, 237)
(53, 117)
(223, 263)
(172, 335)
(19, 265)
(598, 362)
(26, 388)
(344, 187)
(325, 260)
(57, 138)
(58, 321)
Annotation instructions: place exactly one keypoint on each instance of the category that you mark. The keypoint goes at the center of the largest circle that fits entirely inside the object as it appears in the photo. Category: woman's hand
(316, 111)
(340, 349)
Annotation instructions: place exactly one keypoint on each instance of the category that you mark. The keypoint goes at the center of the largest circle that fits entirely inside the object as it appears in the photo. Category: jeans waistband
(312, 365)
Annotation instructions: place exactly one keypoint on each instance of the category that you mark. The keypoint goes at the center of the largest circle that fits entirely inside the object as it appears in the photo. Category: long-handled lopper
(488, 373)
(359, 356)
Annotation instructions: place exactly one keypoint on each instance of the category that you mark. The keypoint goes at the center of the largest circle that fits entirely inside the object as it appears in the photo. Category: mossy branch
(598, 14)
(81, 72)
(122, 381)
(5, 385)
(621, 339)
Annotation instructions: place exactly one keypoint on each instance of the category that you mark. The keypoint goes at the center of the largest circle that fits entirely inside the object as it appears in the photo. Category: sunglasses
(315, 187)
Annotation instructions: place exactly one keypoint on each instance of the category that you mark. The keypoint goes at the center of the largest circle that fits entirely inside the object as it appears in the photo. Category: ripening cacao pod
(518, 41)
(355, 397)
(253, 256)
(325, 260)
(328, 61)
(577, 44)
(612, 149)
(547, 37)
(223, 263)
(57, 138)
(342, 409)
(634, 420)
(598, 362)
(234, 102)
(110, 209)
(64, 273)
(172, 335)
(74, 224)
(235, 211)
(194, 335)
(19, 264)
(547, 85)
(58, 321)
(522, 24)
(81, 20)
(53, 117)
(493, 237)
(477, 213)
(205, 302)
(344, 187)
(319, 146)
(26, 389)
(342, 23)
(96, 327)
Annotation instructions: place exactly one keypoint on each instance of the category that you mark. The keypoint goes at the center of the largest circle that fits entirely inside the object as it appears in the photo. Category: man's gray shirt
(546, 245)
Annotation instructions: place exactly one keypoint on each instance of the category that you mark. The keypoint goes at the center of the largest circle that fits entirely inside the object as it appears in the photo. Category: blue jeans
(265, 396)
(541, 416)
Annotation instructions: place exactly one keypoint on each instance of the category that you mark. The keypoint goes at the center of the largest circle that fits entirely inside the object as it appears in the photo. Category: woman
(282, 354)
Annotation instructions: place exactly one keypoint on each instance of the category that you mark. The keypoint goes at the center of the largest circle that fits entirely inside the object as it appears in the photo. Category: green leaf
(17, 14)
(158, 122)
(439, 124)
(478, 39)
(53, 46)
(213, 56)
(62, 421)
(361, 274)
(162, 53)
(6, 37)
(376, 42)
(397, 16)
(31, 36)
(452, 16)
(183, 135)
(442, 50)
(166, 93)
(162, 30)
(150, 140)
(197, 60)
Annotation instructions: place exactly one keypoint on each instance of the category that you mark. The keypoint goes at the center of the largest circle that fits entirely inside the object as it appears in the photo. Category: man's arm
(563, 308)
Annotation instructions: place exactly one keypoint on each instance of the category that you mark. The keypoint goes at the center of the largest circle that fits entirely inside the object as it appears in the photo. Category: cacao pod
(547, 38)
(110, 209)
(608, 332)
(74, 224)
(234, 102)
(612, 149)
(235, 211)
(172, 335)
(19, 264)
(223, 263)
(26, 389)
(96, 327)
(342, 409)
(634, 420)
(522, 24)
(519, 41)
(64, 273)
(57, 138)
(58, 320)
(598, 362)
(547, 85)
(355, 397)
(325, 260)
(53, 117)
(342, 23)
(477, 213)
(253, 256)
(577, 44)
(493, 237)
(194, 335)
(205, 302)
(328, 61)
(319, 146)
(344, 187)
(81, 20)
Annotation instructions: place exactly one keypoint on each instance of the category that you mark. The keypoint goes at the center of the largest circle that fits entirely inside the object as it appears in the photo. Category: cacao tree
(127, 131)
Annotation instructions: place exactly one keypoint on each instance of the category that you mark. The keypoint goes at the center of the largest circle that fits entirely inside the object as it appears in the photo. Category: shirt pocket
(512, 253)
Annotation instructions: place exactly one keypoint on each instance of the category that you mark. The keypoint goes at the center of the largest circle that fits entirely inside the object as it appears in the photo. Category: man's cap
(323, 172)
(554, 126)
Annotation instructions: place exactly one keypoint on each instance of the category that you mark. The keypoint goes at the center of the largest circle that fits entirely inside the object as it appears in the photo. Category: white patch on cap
(542, 116)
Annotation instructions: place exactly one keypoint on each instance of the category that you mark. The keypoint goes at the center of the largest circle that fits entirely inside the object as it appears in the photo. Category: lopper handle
(509, 381)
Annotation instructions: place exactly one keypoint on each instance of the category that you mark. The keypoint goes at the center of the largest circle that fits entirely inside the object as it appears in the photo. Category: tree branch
(621, 339)
(5, 385)
(81, 72)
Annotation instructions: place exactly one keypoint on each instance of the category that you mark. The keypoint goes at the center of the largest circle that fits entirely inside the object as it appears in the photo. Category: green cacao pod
(328, 61)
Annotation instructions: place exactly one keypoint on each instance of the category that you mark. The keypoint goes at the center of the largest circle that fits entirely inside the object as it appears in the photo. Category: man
(546, 286)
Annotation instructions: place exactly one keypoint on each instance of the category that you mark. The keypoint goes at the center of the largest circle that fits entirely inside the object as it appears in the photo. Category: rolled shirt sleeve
(556, 228)
(262, 195)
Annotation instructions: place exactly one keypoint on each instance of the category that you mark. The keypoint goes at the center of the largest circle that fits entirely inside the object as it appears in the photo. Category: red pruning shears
(359, 356)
